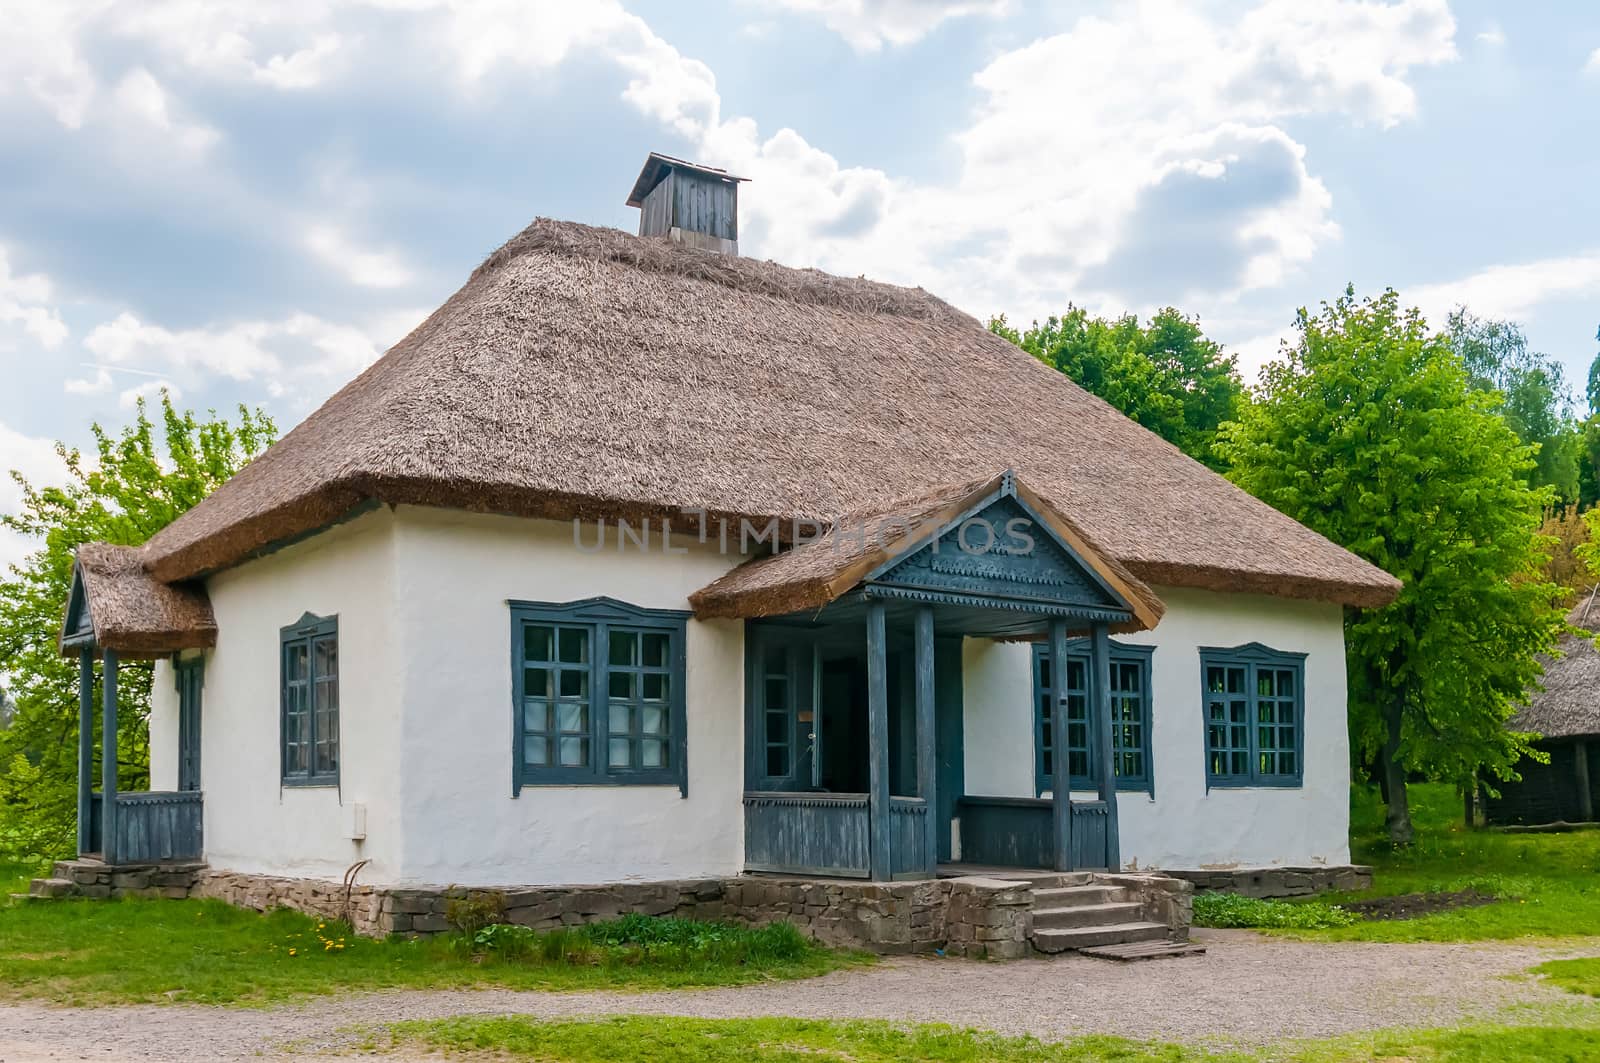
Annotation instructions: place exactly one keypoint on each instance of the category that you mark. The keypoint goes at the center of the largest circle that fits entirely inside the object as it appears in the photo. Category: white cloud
(359, 265)
(299, 358)
(1510, 291)
(25, 301)
(140, 98)
(36, 460)
(1492, 35)
(1593, 65)
(868, 25)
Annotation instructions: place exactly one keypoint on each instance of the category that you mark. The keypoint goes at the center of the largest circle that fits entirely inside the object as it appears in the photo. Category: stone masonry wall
(979, 917)
(1277, 881)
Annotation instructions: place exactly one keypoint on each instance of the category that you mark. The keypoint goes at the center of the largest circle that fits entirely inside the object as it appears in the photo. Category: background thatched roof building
(1567, 714)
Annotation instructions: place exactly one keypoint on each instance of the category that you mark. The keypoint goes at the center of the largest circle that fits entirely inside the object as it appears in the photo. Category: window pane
(653, 753)
(296, 658)
(619, 719)
(535, 750)
(573, 717)
(536, 642)
(1044, 670)
(325, 662)
(777, 694)
(777, 761)
(655, 687)
(536, 682)
(624, 648)
(574, 644)
(535, 715)
(621, 755)
(654, 720)
(776, 661)
(574, 752)
(620, 685)
(574, 684)
(656, 644)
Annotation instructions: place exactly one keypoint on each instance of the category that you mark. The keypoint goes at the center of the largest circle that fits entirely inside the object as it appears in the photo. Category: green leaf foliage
(138, 481)
(1370, 431)
(1534, 396)
(1165, 375)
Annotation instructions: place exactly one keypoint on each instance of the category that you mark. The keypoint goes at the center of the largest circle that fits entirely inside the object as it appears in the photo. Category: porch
(129, 829)
(853, 703)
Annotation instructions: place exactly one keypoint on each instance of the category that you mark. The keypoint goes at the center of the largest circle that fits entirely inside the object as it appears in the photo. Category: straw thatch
(583, 372)
(136, 614)
(817, 572)
(1569, 704)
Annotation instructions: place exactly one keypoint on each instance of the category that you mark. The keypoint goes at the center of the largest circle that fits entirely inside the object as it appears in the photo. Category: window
(1130, 717)
(309, 696)
(1255, 711)
(598, 691)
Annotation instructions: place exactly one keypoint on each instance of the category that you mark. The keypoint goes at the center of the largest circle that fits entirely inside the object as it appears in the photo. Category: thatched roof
(584, 372)
(132, 612)
(820, 571)
(1569, 704)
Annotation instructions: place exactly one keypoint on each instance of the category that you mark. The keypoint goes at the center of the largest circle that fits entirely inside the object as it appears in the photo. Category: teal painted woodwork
(88, 840)
(158, 826)
(949, 740)
(1100, 699)
(1253, 701)
(598, 695)
(108, 756)
(308, 701)
(1131, 717)
(807, 834)
(1061, 790)
(881, 861)
(78, 628)
(1020, 832)
(191, 679)
(927, 775)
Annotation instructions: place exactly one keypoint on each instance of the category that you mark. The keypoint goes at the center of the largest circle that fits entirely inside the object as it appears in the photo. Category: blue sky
(248, 202)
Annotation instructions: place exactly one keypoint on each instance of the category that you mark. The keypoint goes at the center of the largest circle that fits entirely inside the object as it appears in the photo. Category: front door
(190, 681)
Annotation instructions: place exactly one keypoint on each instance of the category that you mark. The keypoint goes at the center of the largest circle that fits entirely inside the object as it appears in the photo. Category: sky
(247, 203)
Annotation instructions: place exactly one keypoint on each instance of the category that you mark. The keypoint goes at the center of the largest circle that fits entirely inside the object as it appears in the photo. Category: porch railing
(830, 834)
(1017, 832)
(149, 827)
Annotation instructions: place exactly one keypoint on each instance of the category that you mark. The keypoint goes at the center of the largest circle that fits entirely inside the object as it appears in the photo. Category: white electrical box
(358, 821)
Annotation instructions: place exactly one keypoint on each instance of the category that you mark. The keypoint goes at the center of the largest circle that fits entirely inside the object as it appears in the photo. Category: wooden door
(190, 682)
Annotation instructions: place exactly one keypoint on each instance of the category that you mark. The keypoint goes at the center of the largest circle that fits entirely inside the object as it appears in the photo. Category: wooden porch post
(85, 749)
(108, 758)
(1100, 658)
(1060, 773)
(878, 827)
(925, 747)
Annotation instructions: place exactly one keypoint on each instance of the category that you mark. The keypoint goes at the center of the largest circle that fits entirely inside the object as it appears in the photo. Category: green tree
(1535, 399)
(1166, 375)
(134, 487)
(1370, 431)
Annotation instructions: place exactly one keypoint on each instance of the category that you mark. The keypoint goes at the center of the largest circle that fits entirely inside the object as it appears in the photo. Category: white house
(639, 560)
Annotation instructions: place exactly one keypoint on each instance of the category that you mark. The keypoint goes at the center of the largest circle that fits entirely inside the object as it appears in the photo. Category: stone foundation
(987, 918)
(1277, 881)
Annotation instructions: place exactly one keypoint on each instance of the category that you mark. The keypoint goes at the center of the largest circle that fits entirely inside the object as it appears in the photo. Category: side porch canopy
(117, 611)
(989, 559)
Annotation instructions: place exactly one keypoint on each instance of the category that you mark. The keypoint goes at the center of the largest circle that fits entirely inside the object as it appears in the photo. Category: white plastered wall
(455, 573)
(253, 823)
(1184, 825)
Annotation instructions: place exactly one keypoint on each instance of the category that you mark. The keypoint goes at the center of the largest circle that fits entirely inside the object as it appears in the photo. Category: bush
(471, 912)
(1232, 910)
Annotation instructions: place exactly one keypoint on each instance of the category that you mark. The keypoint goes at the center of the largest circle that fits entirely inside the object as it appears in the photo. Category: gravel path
(1309, 989)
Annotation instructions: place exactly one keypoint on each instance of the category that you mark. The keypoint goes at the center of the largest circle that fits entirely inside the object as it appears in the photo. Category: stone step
(1145, 950)
(1075, 915)
(52, 887)
(1088, 936)
(1069, 896)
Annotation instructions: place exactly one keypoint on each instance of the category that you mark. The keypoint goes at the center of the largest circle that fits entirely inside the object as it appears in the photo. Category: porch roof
(116, 604)
(824, 570)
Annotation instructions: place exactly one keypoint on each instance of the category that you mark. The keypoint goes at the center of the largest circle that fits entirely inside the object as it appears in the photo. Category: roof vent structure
(688, 203)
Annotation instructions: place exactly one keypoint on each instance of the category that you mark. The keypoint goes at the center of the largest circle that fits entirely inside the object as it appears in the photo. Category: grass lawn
(1547, 885)
(99, 952)
(678, 1040)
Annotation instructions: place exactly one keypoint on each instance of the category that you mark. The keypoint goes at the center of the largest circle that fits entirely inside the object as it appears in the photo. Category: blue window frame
(1130, 717)
(597, 694)
(1254, 702)
(308, 677)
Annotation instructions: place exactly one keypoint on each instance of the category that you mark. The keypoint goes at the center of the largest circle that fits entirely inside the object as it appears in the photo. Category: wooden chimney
(689, 203)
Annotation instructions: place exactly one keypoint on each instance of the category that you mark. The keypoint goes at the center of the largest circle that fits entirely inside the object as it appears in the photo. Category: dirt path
(1248, 989)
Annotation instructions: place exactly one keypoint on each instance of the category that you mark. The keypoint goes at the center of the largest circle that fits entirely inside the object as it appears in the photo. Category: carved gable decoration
(1003, 551)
